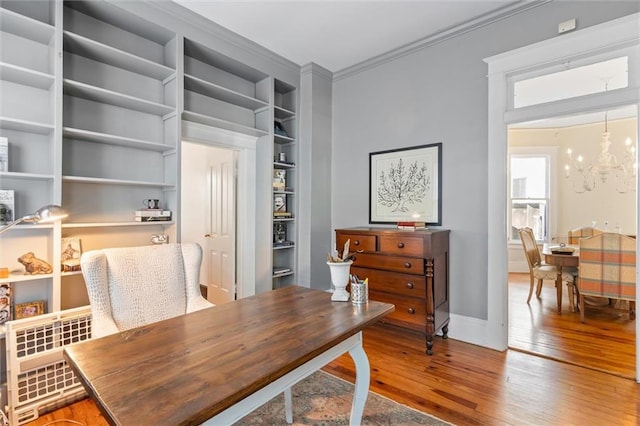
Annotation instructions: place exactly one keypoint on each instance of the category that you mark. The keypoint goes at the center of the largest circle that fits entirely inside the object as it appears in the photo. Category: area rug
(323, 399)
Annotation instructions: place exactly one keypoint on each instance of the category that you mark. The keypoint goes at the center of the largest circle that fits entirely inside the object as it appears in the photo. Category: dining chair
(607, 269)
(538, 270)
(134, 286)
(574, 235)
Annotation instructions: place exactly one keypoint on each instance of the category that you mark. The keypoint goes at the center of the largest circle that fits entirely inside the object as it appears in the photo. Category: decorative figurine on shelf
(33, 265)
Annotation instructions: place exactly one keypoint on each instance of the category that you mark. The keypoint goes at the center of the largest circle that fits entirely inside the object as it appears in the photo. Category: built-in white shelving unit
(94, 97)
(285, 154)
(222, 92)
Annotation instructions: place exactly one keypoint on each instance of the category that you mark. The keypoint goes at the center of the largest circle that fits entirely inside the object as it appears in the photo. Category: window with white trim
(529, 194)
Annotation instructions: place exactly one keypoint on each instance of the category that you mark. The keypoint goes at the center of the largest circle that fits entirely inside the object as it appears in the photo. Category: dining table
(561, 257)
(218, 364)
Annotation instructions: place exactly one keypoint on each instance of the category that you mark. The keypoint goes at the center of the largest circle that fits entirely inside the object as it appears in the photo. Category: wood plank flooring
(470, 385)
(606, 341)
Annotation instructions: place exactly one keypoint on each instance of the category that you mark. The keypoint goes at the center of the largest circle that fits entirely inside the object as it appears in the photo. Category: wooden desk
(221, 363)
(560, 261)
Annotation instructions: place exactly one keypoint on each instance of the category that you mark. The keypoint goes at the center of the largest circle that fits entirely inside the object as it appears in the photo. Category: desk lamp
(45, 214)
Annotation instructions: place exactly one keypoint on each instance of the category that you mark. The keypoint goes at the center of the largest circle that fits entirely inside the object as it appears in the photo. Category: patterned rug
(322, 399)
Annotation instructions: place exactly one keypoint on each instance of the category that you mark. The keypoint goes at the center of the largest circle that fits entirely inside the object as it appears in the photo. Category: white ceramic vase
(340, 279)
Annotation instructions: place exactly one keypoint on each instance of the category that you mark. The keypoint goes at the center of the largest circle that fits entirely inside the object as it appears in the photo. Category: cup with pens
(359, 289)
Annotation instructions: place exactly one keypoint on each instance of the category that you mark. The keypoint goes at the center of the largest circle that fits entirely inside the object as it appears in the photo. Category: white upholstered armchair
(133, 286)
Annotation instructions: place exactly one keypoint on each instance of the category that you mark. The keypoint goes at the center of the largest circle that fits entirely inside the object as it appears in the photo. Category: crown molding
(316, 70)
(452, 32)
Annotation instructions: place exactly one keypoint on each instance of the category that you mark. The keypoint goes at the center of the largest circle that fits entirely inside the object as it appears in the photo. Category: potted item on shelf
(340, 268)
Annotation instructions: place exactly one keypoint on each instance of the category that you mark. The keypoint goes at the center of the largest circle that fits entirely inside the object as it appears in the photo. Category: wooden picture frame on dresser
(409, 268)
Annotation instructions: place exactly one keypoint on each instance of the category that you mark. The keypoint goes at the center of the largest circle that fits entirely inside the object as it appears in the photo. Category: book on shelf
(7, 206)
(279, 180)
(278, 270)
(282, 215)
(153, 218)
(283, 244)
(4, 154)
(153, 213)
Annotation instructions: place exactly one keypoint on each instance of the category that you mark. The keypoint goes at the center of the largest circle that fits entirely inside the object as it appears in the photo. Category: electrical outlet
(566, 26)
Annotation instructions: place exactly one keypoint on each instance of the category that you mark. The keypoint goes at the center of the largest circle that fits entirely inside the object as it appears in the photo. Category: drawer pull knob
(356, 243)
(409, 285)
(411, 311)
(407, 265)
(400, 245)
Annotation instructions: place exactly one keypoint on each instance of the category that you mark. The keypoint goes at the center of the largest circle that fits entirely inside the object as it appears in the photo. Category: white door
(208, 215)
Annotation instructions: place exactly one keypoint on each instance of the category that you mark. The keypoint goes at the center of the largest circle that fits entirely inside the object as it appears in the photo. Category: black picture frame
(405, 185)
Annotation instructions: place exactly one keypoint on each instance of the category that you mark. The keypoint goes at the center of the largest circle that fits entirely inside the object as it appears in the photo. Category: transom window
(569, 83)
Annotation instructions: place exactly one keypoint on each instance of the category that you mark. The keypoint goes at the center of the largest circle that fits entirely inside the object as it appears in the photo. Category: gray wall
(439, 94)
(314, 210)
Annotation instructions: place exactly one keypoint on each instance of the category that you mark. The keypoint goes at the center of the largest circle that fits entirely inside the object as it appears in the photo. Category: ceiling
(339, 34)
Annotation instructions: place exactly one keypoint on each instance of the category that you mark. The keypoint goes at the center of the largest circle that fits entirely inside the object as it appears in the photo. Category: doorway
(606, 340)
(244, 147)
(570, 50)
(209, 215)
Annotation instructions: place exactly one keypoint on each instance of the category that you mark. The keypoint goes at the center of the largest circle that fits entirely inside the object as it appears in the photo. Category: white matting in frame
(405, 185)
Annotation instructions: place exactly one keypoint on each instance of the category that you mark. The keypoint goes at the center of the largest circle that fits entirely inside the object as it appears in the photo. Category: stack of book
(412, 225)
(153, 215)
(279, 270)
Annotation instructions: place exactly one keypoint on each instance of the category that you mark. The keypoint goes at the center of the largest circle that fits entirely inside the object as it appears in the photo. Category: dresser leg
(429, 344)
(445, 332)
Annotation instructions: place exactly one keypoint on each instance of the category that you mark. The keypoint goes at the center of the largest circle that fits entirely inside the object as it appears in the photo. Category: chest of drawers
(407, 268)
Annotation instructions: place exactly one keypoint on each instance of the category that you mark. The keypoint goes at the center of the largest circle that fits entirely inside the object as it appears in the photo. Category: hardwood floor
(469, 385)
(605, 342)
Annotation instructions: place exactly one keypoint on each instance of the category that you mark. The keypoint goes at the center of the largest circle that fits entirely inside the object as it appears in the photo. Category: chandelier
(604, 166)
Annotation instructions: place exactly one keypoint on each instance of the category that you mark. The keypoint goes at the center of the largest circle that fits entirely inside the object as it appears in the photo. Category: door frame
(613, 35)
(245, 146)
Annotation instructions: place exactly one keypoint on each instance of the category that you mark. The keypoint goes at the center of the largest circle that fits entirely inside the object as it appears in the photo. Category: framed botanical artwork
(70, 252)
(405, 185)
(29, 309)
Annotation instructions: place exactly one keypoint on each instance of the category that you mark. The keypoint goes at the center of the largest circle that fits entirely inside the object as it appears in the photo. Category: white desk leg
(288, 406)
(363, 376)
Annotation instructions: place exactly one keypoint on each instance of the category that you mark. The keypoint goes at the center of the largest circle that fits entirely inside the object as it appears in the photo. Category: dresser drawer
(402, 245)
(409, 312)
(393, 282)
(408, 265)
(357, 243)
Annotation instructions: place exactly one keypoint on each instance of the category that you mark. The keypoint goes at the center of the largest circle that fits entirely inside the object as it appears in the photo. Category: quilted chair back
(575, 235)
(134, 286)
(608, 266)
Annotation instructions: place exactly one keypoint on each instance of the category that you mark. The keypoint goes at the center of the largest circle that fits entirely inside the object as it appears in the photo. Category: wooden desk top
(187, 369)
